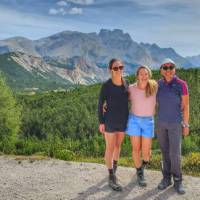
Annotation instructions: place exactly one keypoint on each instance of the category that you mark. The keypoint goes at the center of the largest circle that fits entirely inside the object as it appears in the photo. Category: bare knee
(110, 149)
(117, 146)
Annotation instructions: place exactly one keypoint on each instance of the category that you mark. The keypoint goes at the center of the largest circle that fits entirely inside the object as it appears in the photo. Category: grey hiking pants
(169, 138)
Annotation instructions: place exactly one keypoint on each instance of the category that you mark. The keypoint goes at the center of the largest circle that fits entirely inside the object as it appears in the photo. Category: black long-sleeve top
(116, 99)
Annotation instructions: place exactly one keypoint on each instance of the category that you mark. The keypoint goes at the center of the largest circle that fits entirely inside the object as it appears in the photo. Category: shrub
(64, 154)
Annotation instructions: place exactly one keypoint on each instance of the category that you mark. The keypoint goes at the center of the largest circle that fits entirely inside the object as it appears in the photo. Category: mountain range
(195, 60)
(72, 57)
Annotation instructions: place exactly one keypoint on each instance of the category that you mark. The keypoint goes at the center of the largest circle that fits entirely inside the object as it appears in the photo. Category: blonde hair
(152, 85)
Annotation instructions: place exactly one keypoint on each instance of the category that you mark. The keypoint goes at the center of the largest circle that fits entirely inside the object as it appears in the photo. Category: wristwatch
(184, 125)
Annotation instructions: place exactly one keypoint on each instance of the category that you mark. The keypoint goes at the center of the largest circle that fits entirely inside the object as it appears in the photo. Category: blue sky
(168, 23)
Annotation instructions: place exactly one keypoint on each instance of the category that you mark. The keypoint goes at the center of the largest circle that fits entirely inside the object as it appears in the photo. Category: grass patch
(190, 162)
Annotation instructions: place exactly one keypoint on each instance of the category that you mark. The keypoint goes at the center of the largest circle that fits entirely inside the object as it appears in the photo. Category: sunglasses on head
(118, 68)
(168, 67)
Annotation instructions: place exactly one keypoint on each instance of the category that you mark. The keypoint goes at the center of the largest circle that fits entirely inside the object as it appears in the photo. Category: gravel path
(51, 179)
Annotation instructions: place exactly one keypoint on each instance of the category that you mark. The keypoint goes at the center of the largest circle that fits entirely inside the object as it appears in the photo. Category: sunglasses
(168, 68)
(118, 68)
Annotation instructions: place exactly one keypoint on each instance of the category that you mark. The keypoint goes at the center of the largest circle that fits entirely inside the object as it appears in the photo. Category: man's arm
(185, 109)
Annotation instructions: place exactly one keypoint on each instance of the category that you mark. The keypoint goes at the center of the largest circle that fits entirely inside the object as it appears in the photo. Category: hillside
(29, 73)
(25, 72)
(80, 105)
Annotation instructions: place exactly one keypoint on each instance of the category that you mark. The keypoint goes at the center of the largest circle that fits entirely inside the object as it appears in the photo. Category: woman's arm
(102, 98)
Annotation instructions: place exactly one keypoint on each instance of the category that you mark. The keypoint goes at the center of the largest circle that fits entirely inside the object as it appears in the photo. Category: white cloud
(65, 8)
(62, 11)
(53, 11)
(62, 3)
(82, 2)
(75, 11)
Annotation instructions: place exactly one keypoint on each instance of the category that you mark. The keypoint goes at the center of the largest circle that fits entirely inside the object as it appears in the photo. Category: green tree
(10, 117)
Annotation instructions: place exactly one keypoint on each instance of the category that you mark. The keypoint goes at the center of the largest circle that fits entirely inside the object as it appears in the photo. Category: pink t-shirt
(140, 104)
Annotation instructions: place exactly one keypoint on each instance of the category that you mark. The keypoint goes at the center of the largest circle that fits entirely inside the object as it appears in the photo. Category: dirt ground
(50, 179)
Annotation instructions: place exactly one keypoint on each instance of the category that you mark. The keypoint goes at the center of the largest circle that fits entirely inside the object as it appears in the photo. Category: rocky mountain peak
(117, 34)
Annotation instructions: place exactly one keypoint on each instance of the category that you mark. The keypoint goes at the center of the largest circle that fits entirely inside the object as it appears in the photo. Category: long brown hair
(151, 84)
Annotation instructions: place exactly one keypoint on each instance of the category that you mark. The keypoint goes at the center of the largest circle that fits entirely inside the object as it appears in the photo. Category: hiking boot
(178, 186)
(165, 182)
(140, 177)
(113, 183)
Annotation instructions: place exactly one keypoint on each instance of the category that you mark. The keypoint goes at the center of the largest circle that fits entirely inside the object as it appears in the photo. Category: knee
(110, 149)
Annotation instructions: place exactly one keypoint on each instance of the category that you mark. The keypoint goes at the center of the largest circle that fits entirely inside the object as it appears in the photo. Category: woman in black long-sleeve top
(113, 122)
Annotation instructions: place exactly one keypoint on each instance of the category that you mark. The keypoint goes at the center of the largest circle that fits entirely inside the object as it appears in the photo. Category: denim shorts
(140, 126)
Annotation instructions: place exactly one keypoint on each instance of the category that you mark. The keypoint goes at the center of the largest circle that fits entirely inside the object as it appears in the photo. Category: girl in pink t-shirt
(140, 125)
